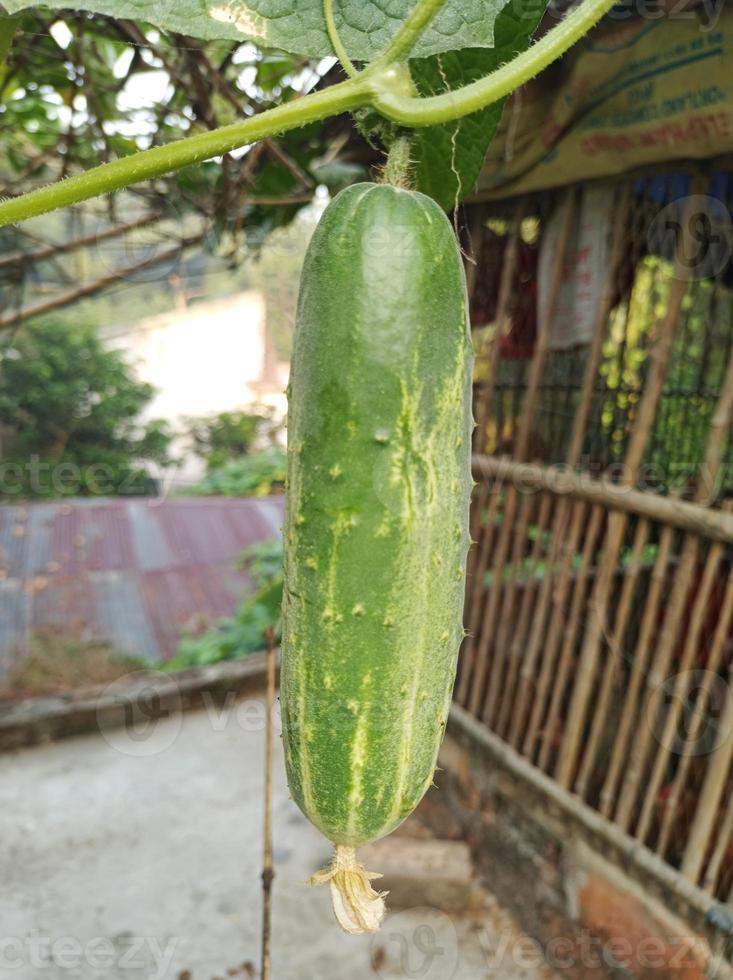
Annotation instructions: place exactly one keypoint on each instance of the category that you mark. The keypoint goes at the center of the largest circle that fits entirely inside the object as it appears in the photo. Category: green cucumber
(376, 527)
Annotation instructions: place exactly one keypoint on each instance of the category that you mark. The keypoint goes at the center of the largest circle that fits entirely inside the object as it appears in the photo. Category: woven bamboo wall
(600, 607)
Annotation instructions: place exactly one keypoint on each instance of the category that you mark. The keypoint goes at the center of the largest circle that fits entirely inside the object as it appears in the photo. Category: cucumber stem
(356, 905)
(397, 168)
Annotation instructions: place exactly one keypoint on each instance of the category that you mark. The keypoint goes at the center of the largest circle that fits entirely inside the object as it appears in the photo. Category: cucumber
(376, 526)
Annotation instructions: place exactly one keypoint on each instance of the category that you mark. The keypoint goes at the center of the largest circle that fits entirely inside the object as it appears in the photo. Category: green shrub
(251, 476)
(242, 634)
(228, 436)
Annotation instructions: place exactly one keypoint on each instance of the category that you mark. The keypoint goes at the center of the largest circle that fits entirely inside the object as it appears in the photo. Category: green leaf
(299, 26)
(448, 158)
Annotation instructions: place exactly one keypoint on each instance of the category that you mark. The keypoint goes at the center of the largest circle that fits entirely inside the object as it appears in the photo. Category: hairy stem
(338, 46)
(160, 160)
(433, 110)
(397, 169)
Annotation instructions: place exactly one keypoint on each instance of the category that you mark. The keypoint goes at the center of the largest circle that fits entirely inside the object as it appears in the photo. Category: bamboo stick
(268, 872)
(639, 660)
(682, 584)
(569, 630)
(526, 644)
(490, 610)
(721, 846)
(711, 793)
(484, 394)
(613, 660)
(560, 520)
(478, 587)
(698, 712)
(565, 550)
(506, 282)
(520, 448)
(602, 591)
(520, 627)
(677, 600)
(499, 644)
(603, 309)
(672, 718)
(701, 520)
(475, 234)
(478, 557)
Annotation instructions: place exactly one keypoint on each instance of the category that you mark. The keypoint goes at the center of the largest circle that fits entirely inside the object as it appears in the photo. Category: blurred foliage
(63, 659)
(78, 90)
(263, 561)
(275, 271)
(227, 436)
(241, 634)
(70, 416)
(256, 475)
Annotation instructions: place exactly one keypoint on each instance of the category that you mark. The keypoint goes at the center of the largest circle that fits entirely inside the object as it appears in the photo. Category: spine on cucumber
(376, 530)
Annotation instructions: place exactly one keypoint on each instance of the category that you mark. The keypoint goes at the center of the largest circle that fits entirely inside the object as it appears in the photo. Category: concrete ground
(138, 854)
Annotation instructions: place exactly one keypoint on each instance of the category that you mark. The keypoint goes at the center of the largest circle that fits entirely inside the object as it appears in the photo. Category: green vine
(338, 46)
(384, 85)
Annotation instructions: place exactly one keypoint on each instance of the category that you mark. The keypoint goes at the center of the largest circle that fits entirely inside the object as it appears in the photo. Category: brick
(635, 938)
(434, 873)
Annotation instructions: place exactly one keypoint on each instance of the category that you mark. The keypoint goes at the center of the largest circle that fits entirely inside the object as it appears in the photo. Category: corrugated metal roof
(133, 572)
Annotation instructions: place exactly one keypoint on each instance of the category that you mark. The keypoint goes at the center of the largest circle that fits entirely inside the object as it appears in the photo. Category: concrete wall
(207, 358)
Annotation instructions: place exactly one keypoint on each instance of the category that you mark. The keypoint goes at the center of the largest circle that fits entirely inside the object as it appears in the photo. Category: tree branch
(89, 289)
(51, 250)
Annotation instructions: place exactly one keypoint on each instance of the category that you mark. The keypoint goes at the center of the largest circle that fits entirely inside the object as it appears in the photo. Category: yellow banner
(634, 93)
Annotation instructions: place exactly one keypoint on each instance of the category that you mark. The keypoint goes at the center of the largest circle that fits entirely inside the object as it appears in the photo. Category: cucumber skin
(376, 526)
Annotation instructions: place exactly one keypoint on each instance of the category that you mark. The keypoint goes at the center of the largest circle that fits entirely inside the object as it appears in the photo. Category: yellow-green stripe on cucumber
(376, 528)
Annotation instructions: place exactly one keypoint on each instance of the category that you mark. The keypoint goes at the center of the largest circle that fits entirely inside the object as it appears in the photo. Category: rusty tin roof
(134, 572)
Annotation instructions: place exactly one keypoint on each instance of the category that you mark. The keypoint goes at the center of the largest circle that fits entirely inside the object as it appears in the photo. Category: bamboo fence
(599, 607)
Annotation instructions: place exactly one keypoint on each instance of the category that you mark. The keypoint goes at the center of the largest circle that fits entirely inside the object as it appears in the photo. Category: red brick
(637, 939)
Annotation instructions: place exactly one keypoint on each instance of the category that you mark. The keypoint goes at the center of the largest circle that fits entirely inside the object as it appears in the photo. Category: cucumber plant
(434, 49)
(376, 530)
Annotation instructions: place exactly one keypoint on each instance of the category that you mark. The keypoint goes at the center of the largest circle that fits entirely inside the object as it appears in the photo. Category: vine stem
(338, 45)
(433, 110)
(381, 86)
(148, 164)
